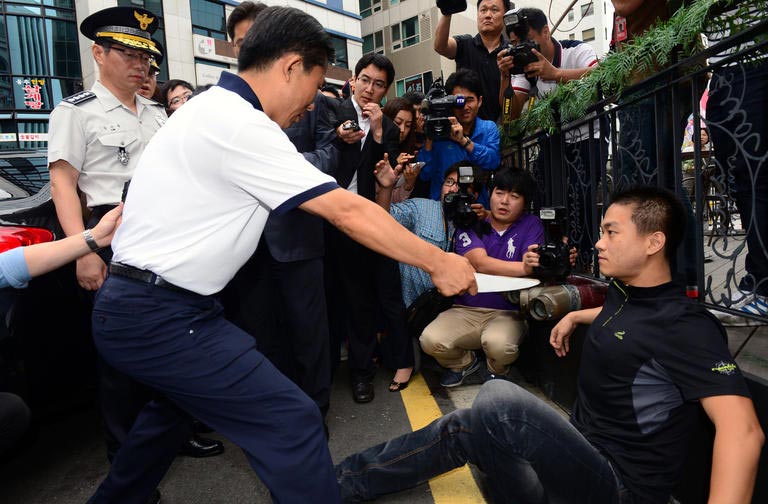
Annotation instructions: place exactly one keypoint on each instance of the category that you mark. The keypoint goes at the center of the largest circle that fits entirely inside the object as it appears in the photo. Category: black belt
(145, 276)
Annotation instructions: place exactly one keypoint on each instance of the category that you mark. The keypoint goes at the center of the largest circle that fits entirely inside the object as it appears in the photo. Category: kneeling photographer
(455, 133)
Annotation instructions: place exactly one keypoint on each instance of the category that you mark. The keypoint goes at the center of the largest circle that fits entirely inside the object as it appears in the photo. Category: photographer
(425, 218)
(557, 63)
(471, 138)
(476, 53)
(500, 245)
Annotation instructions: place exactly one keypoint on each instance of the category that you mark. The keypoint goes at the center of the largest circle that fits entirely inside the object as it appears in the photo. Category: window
(155, 7)
(374, 43)
(570, 15)
(572, 36)
(208, 18)
(418, 83)
(588, 35)
(340, 48)
(588, 9)
(368, 7)
(405, 34)
(39, 65)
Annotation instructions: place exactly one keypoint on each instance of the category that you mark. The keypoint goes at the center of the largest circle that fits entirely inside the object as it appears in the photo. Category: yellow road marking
(457, 486)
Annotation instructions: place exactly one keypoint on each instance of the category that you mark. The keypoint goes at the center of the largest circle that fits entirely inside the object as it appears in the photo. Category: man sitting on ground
(651, 357)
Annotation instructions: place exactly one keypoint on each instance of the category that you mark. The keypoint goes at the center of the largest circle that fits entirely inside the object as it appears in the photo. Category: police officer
(95, 140)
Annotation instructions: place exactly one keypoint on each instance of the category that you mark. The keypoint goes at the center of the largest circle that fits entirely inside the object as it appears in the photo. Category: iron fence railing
(721, 176)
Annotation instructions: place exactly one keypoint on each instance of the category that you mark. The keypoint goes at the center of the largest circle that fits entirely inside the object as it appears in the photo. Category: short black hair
(171, 85)
(379, 61)
(265, 45)
(517, 181)
(330, 89)
(466, 78)
(507, 4)
(535, 17)
(414, 97)
(245, 10)
(655, 209)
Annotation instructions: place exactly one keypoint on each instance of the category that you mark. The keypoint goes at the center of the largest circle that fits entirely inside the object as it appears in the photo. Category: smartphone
(350, 125)
(418, 165)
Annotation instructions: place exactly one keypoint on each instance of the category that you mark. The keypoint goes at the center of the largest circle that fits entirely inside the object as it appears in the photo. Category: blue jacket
(444, 153)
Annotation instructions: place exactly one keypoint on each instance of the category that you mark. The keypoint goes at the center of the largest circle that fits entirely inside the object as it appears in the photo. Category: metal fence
(721, 176)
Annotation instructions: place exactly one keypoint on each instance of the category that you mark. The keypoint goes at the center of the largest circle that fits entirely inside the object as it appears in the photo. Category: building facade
(43, 57)
(403, 30)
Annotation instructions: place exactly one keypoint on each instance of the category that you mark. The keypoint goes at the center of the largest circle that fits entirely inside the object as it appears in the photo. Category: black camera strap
(449, 237)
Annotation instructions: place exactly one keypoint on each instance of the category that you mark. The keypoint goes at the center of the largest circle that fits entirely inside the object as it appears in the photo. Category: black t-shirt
(472, 54)
(649, 356)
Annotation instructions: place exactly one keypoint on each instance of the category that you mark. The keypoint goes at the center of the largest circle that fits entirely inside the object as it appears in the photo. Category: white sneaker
(745, 302)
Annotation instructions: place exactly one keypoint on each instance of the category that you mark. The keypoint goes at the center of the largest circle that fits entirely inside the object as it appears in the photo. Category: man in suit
(279, 294)
(356, 276)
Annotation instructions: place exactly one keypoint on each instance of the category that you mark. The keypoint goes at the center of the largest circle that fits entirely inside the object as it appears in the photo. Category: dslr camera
(517, 25)
(457, 206)
(554, 260)
(437, 107)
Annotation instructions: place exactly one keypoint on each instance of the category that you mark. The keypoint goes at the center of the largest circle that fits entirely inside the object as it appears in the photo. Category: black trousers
(361, 285)
(282, 305)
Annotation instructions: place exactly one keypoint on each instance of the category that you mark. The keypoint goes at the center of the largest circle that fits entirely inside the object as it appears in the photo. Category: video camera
(437, 107)
(522, 53)
(457, 206)
(554, 260)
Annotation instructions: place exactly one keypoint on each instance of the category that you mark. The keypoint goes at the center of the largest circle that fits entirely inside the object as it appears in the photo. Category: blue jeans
(528, 451)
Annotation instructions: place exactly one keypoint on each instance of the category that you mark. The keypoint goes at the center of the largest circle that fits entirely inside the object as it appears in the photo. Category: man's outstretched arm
(366, 222)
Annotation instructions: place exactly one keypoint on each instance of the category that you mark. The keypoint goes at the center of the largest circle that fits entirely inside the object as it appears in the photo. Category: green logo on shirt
(619, 335)
(724, 368)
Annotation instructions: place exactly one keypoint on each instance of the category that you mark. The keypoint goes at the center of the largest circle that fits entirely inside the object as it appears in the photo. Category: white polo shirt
(203, 189)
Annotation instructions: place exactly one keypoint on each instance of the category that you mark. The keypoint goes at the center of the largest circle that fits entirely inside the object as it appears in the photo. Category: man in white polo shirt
(188, 227)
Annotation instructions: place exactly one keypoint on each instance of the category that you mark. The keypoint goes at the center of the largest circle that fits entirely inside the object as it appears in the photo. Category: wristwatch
(467, 140)
(90, 241)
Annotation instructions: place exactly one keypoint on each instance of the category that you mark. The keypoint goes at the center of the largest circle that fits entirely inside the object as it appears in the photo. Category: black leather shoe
(200, 447)
(362, 392)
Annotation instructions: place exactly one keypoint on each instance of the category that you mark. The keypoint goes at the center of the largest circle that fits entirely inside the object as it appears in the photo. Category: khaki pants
(456, 331)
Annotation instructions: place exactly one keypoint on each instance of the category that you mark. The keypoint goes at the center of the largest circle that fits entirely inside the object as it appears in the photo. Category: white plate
(498, 283)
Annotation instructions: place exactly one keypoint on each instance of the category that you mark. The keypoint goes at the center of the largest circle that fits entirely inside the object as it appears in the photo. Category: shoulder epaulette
(81, 97)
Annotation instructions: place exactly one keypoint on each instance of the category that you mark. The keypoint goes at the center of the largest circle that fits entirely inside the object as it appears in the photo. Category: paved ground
(66, 461)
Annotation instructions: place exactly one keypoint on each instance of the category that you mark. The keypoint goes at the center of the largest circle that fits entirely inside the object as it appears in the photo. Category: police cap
(129, 26)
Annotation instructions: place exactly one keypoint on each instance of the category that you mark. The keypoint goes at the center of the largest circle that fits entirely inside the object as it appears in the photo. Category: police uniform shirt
(102, 139)
(203, 189)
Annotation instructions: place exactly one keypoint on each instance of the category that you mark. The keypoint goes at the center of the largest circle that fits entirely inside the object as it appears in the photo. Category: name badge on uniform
(122, 156)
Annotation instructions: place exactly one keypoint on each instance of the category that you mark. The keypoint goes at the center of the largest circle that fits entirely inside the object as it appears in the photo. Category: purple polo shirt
(507, 246)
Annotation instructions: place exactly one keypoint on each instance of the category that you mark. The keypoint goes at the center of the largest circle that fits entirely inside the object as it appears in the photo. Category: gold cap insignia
(143, 20)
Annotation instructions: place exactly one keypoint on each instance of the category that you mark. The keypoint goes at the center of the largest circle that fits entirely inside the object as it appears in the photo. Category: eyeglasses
(450, 182)
(128, 55)
(180, 99)
(377, 84)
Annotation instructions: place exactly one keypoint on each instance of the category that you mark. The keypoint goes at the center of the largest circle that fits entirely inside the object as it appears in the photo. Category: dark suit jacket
(354, 160)
(298, 235)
